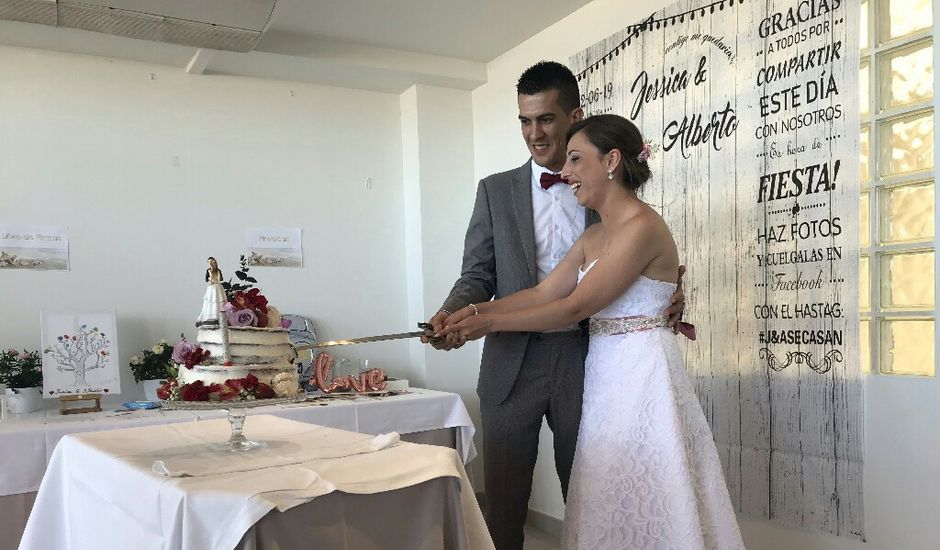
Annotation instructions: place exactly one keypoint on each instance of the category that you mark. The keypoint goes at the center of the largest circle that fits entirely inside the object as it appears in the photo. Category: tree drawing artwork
(80, 353)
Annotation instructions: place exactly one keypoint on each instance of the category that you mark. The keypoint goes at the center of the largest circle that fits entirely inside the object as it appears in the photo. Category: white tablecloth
(27, 441)
(100, 490)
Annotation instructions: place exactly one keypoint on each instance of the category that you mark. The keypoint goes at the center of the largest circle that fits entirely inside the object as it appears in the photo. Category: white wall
(437, 142)
(902, 470)
(151, 175)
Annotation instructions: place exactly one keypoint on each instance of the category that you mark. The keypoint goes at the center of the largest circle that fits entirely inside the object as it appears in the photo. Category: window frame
(876, 184)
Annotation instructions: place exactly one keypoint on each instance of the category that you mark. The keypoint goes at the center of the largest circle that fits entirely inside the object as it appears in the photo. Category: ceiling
(478, 30)
(381, 45)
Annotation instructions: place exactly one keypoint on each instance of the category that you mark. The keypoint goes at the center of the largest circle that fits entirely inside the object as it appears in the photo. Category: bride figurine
(215, 296)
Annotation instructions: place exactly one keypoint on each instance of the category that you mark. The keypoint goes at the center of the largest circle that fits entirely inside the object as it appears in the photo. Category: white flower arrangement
(155, 363)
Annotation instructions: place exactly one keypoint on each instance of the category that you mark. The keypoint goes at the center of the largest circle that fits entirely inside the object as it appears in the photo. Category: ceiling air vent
(29, 11)
(235, 25)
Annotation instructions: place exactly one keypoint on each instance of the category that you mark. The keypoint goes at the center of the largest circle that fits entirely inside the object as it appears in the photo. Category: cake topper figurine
(213, 304)
(214, 299)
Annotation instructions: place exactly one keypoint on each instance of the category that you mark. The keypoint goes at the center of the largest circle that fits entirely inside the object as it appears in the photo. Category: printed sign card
(278, 247)
(39, 247)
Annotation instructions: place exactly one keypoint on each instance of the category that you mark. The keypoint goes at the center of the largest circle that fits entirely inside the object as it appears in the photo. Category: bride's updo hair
(608, 132)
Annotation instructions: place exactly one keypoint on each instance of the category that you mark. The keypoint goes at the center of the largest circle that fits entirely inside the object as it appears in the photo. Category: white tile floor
(536, 539)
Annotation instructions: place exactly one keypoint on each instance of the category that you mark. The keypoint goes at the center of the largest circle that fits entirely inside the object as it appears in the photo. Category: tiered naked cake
(242, 349)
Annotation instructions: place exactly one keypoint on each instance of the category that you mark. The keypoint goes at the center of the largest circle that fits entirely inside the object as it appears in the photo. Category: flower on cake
(252, 299)
(275, 320)
(196, 391)
(189, 354)
(250, 387)
(170, 390)
(240, 317)
(245, 305)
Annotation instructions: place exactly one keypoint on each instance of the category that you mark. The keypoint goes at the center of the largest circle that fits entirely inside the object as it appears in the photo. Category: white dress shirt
(558, 221)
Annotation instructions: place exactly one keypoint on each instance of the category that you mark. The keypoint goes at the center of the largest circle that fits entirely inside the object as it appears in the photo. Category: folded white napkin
(384, 441)
(202, 461)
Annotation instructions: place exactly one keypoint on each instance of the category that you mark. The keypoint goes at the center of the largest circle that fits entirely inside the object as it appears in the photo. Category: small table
(161, 487)
(28, 441)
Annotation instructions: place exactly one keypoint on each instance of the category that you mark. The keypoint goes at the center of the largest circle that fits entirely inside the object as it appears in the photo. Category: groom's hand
(447, 343)
(677, 304)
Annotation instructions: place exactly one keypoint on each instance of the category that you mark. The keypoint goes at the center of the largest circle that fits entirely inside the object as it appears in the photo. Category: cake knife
(426, 330)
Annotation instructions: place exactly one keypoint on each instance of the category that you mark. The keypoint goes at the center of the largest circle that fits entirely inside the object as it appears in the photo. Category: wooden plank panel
(765, 216)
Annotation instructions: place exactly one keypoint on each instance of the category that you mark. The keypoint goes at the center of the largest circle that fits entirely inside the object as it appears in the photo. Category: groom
(522, 226)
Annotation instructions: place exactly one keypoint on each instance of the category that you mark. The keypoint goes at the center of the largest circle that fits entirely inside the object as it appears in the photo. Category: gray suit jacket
(498, 260)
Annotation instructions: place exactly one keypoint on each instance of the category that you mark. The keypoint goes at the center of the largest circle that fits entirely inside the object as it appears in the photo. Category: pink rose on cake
(188, 354)
(240, 317)
(253, 301)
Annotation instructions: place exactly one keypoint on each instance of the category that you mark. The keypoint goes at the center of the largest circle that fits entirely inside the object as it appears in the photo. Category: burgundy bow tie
(547, 179)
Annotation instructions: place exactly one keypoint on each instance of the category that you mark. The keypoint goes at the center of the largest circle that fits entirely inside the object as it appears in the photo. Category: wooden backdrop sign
(754, 105)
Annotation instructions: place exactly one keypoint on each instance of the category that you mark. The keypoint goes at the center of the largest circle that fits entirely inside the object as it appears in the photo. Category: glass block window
(897, 282)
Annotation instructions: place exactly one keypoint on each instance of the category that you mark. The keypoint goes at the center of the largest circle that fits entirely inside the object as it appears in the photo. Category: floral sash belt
(614, 326)
(623, 325)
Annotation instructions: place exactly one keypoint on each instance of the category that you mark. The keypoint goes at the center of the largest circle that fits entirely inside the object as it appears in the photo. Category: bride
(646, 471)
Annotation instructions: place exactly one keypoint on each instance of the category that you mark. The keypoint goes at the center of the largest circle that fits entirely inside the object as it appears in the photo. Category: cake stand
(237, 412)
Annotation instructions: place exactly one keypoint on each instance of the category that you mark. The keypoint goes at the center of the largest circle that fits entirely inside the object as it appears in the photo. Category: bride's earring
(610, 175)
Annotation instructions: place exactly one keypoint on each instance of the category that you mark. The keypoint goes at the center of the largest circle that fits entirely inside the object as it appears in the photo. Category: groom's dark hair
(550, 75)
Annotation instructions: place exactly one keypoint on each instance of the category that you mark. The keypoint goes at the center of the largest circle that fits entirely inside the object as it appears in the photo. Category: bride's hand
(473, 327)
(459, 316)
(437, 323)
(677, 304)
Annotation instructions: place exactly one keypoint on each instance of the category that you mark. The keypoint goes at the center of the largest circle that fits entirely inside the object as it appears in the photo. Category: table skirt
(14, 509)
(426, 516)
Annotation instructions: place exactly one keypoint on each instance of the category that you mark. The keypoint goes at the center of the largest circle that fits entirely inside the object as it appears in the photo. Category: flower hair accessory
(647, 152)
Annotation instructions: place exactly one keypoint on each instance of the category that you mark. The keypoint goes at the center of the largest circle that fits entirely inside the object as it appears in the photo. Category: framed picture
(79, 353)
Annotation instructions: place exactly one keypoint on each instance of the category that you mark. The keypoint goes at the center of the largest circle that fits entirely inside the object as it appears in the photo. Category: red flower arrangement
(233, 389)
(252, 299)
(246, 306)
(170, 390)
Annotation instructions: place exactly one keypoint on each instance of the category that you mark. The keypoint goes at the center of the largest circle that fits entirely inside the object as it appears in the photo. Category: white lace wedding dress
(646, 472)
